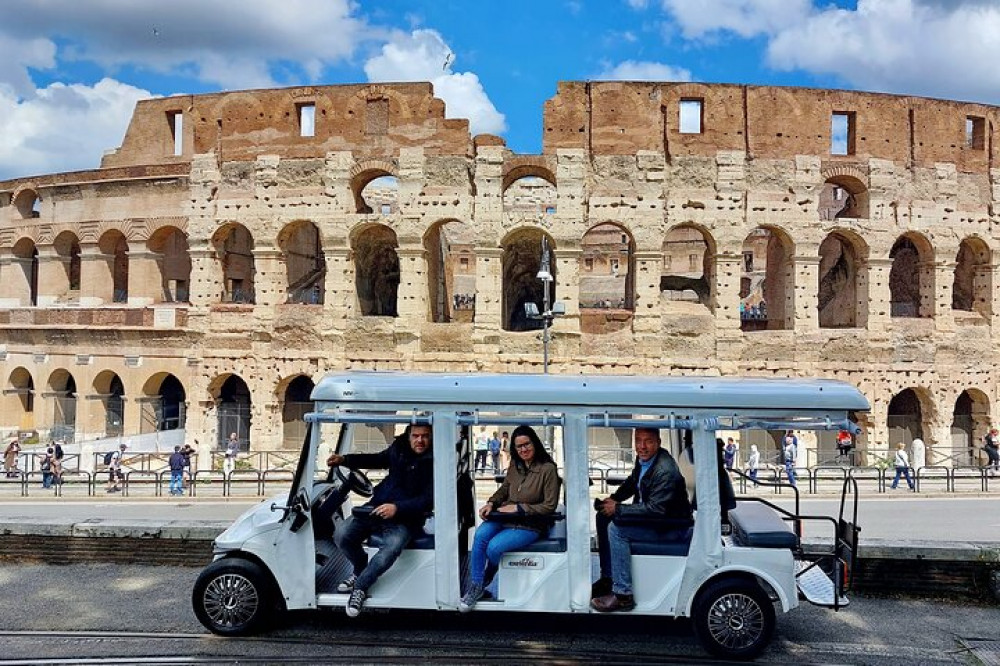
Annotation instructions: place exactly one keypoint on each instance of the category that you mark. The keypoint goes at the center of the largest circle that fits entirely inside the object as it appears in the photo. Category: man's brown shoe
(613, 602)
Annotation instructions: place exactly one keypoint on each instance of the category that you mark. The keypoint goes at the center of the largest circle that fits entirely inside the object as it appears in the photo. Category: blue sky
(72, 70)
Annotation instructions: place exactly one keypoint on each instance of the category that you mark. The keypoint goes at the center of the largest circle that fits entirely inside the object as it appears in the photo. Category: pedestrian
(902, 464)
(47, 465)
(10, 455)
(495, 452)
(844, 444)
(115, 475)
(504, 450)
(481, 445)
(177, 462)
(991, 445)
(788, 454)
(729, 454)
(232, 450)
(753, 462)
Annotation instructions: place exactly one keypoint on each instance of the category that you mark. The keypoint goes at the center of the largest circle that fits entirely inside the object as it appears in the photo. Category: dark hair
(541, 455)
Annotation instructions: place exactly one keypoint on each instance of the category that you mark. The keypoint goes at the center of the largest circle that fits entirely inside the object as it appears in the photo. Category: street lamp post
(549, 311)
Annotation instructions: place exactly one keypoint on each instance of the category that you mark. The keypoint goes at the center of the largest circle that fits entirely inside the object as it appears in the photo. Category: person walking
(788, 452)
(232, 450)
(902, 463)
(991, 445)
(10, 455)
(177, 463)
(495, 452)
(481, 445)
(753, 463)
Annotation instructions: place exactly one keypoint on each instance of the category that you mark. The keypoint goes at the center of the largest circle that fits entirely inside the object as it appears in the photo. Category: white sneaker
(346, 586)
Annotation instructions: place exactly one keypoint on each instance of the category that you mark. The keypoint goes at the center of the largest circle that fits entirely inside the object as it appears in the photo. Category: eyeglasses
(529, 445)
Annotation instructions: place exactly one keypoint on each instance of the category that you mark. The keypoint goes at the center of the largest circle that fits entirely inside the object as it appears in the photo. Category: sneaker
(347, 585)
(474, 594)
(355, 603)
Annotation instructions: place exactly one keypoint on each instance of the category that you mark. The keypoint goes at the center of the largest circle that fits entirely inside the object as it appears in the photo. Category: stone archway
(67, 249)
(908, 417)
(842, 293)
(234, 248)
(296, 403)
(173, 260)
(377, 271)
(688, 270)
(911, 278)
(521, 260)
(767, 285)
(114, 246)
(62, 389)
(26, 255)
(970, 423)
(164, 404)
(305, 264)
(233, 407)
(972, 289)
(451, 271)
(19, 399)
(110, 394)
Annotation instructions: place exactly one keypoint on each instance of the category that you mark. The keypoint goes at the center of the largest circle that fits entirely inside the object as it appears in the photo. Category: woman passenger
(529, 494)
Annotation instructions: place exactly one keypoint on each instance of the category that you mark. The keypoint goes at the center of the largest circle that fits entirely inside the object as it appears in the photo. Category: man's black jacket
(409, 484)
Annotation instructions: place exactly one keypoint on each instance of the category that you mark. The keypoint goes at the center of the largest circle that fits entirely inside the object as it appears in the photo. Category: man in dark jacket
(399, 506)
(660, 511)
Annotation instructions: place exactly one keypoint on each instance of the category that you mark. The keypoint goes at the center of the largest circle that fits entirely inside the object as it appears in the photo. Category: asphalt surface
(94, 612)
(901, 516)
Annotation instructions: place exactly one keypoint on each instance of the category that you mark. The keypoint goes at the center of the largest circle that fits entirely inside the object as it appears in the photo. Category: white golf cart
(743, 559)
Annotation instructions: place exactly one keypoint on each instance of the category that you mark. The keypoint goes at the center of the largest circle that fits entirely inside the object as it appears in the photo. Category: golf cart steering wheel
(354, 480)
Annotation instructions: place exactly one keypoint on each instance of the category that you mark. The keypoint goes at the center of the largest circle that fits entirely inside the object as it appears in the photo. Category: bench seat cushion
(759, 526)
(545, 546)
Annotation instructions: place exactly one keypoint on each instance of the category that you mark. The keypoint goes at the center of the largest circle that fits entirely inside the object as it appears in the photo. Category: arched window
(67, 247)
(521, 261)
(174, 261)
(972, 290)
(376, 266)
(233, 403)
(26, 256)
(688, 270)
(451, 271)
(305, 265)
(842, 295)
(114, 246)
(378, 194)
(234, 248)
(768, 301)
(296, 403)
(911, 278)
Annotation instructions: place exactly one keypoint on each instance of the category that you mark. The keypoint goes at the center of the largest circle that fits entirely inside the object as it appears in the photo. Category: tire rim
(231, 600)
(736, 621)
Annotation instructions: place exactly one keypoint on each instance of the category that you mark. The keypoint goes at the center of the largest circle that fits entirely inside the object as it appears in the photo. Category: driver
(399, 505)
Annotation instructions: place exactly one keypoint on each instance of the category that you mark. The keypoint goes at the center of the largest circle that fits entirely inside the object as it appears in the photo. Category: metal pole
(546, 318)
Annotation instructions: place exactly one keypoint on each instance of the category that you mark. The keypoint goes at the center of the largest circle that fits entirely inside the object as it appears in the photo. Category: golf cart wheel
(234, 597)
(734, 619)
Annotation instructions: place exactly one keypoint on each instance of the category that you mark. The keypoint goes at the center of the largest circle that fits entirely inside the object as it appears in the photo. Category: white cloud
(63, 127)
(637, 4)
(632, 70)
(941, 48)
(232, 43)
(423, 55)
(746, 18)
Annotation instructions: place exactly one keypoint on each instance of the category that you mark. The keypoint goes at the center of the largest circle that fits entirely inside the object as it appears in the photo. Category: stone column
(647, 292)
(806, 293)
(726, 292)
(411, 297)
(96, 276)
(943, 281)
(206, 275)
(340, 298)
(145, 278)
(269, 280)
(53, 282)
(489, 290)
(879, 294)
(15, 288)
(566, 289)
(992, 295)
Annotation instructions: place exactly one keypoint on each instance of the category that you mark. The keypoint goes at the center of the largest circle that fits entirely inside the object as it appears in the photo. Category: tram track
(253, 650)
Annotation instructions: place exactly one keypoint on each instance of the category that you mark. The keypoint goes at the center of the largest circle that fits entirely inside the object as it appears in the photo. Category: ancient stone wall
(753, 234)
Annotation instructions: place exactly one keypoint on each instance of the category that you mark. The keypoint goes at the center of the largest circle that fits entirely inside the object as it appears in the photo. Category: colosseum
(238, 245)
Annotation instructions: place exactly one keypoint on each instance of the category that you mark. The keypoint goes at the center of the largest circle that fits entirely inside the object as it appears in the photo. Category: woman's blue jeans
(492, 540)
(902, 471)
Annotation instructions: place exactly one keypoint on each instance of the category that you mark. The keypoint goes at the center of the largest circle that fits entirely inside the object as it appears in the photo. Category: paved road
(66, 612)
(896, 517)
